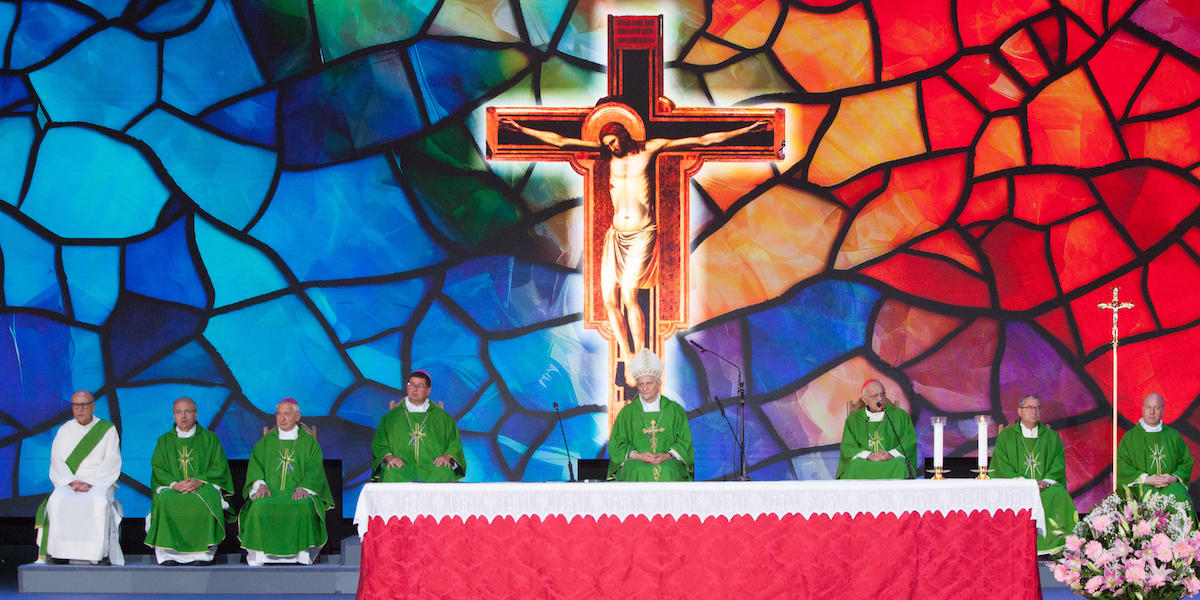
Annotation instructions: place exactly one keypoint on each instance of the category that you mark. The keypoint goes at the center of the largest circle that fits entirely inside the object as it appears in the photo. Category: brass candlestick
(983, 473)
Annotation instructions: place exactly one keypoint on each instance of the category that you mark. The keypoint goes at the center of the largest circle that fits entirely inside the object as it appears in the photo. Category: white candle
(981, 422)
(939, 423)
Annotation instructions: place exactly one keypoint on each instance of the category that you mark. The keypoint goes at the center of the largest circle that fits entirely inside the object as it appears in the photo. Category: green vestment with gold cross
(860, 434)
(276, 524)
(651, 433)
(417, 438)
(194, 521)
(1162, 452)
(1040, 458)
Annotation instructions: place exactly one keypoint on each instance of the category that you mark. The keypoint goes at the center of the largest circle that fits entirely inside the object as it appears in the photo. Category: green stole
(82, 449)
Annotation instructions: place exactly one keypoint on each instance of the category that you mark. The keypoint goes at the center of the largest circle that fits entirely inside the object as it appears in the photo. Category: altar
(779, 539)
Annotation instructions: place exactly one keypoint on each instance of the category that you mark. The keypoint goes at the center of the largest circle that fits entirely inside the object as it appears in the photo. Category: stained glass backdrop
(242, 201)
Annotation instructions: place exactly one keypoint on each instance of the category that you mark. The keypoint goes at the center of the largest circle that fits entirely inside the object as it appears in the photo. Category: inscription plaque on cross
(636, 151)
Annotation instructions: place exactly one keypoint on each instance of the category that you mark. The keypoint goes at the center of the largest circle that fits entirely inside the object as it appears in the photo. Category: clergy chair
(311, 430)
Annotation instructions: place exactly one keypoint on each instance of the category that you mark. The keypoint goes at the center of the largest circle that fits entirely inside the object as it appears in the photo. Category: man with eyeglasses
(418, 440)
(1029, 449)
(878, 439)
(191, 488)
(80, 520)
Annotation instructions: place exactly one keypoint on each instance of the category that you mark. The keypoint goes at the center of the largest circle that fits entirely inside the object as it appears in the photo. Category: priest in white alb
(80, 520)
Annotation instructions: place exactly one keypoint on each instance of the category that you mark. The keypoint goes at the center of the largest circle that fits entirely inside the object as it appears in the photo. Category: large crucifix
(636, 151)
(1115, 306)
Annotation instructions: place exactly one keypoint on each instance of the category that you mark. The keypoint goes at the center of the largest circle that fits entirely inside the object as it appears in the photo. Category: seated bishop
(651, 439)
(878, 440)
(418, 440)
(80, 520)
(287, 494)
(191, 489)
(1030, 449)
(1152, 458)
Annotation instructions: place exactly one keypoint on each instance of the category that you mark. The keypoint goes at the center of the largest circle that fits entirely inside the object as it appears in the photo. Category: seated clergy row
(878, 442)
(286, 491)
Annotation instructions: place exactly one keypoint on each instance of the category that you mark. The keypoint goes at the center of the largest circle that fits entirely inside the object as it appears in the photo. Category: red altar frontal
(843, 539)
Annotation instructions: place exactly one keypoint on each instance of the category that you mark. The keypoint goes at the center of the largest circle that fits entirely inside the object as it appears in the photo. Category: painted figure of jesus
(629, 260)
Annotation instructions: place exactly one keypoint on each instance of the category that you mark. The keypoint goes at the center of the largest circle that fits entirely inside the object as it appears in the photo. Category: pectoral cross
(1158, 457)
(1115, 306)
(414, 437)
(875, 441)
(287, 458)
(636, 100)
(1032, 464)
(185, 460)
(653, 432)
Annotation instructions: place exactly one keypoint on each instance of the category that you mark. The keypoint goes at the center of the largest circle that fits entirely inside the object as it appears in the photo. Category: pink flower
(1143, 528)
(1113, 579)
(1094, 584)
(1094, 549)
(1101, 523)
(1121, 548)
(1135, 572)
(1160, 547)
(1192, 585)
(1158, 576)
(1129, 511)
(1074, 543)
(1183, 550)
(1105, 557)
(1061, 572)
(1073, 579)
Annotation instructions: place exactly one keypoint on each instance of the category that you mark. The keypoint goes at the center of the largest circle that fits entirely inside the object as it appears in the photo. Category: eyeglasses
(1029, 408)
(416, 385)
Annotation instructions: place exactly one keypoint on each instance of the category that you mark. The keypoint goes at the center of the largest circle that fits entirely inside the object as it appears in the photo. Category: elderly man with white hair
(651, 440)
(1152, 457)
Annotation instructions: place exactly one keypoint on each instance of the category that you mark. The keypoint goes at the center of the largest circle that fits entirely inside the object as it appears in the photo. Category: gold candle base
(983, 474)
(938, 473)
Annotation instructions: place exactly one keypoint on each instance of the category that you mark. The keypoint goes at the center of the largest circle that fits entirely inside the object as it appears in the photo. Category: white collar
(413, 408)
(655, 406)
(185, 434)
(290, 435)
(876, 417)
(1149, 429)
(1029, 433)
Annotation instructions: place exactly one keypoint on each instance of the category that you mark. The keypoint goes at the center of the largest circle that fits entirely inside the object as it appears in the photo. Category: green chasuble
(1163, 452)
(189, 522)
(894, 432)
(276, 524)
(417, 439)
(1042, 458)
(651, 432)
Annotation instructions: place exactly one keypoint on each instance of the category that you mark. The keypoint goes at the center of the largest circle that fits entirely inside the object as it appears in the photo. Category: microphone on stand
(907, 466)
(570, 469)
(728, 422)
(741, 410)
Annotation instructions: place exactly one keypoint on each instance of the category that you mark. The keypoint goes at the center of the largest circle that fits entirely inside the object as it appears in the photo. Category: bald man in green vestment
(1152, 457)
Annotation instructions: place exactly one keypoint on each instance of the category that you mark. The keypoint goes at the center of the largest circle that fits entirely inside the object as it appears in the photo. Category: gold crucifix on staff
(1114, 306)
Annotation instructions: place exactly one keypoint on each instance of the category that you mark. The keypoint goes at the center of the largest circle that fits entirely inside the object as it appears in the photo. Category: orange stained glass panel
(914, 36)
(903, 332)
(707, 52)
(827, 52)
(856, 190)
(980, 75)
(988, 201)
(951, 119)
(1171, 140)
(1022, 54)
(1148, 202)
(746, 23)
(1067, 125)
(1086, 248)
(1090, 11)
(1044, 198)
(1056, 323)
(726, 183)
(1000, 147)
(802, 121)
(918, 199)
(951, 244)
(1173, 84)
(1095, 325)
(869, 129)
(911, 274)
(1119, 67)
(957, 378)
(815, 414)
(981, 22)
(1171, 279)
(772, 243)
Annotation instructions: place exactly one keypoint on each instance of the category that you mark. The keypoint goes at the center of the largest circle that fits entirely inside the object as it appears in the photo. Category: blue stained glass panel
(192, 361)
(558, 364)
(93, 280)
(362, 311)
(209, 63)
(229, 180)
(683, 386)
(716, 455)
(12, 88)
(344, 27)
(41, 363)
(34, 464)
(18, 134)
(238, 270)
(278, 349)
(8, 17)
(239, 429)
(8, 462)
(109, 8)
(379, 360)
(452, 75)
(449, 351)
(518, 434)
(483, 464)
(348, 220)
(542, 19)
(171, 15)
(367, 404)
(87, 184)
(43, 28)
(587, 436)
(30, 275)
(142, 327)
(161, 267)
(106, 80)
(504, 292)
(828, 319)
(486, 412)
(251, 119)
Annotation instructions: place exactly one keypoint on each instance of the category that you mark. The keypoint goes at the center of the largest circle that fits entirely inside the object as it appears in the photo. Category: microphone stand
(741, 384)
(570, 469)
(732, 433)
(907, 466)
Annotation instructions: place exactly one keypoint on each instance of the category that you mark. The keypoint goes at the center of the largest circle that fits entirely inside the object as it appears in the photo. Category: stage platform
(334, 574)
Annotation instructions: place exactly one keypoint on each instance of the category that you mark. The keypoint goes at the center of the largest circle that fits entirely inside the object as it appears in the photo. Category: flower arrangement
(1133, 548)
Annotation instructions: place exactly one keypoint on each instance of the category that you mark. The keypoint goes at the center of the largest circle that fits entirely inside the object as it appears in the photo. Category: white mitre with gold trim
(646, 362)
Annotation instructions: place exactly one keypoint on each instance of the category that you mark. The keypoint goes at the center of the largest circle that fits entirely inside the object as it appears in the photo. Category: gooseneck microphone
(570, 469)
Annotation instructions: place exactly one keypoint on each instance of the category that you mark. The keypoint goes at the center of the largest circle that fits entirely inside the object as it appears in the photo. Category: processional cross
(643, 214)
(1115, 306)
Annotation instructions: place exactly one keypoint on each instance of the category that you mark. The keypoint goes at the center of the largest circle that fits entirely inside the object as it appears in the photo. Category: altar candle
(939, 423)
(981, 422)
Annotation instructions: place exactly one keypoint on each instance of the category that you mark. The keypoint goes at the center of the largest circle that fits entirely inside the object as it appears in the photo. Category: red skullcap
(290, 401)
(868, 382)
